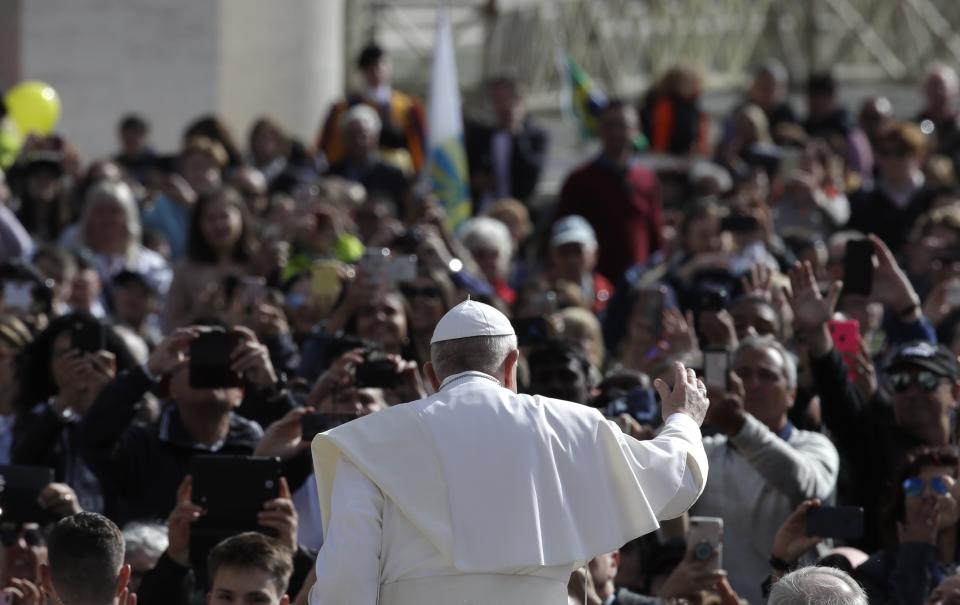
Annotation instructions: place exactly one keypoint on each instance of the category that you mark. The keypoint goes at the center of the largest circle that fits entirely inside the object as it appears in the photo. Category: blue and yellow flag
(447, 154)
(581, 99)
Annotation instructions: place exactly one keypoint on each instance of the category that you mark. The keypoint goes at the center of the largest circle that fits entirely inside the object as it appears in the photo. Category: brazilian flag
(582, 99)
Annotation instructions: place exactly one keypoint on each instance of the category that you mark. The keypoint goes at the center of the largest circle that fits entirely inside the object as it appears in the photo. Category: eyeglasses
(914, 486)
(928, 381)
(10, 535)
(427, 292)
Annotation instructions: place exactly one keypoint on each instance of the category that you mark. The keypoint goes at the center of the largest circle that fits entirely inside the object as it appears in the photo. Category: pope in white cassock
(477, 495)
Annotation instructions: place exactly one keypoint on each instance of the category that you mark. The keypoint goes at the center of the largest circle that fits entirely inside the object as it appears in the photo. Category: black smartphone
(844, 522)
(531, 331)
(20, 488)
(376, 372)
(739, 223)
(319, 422)
(88, 337)
(167, 164)
(210, 360)
(858, 267)
(232, 491)
(716, 369)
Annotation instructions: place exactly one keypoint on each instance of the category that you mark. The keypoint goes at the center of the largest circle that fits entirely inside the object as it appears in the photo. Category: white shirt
(510, 511)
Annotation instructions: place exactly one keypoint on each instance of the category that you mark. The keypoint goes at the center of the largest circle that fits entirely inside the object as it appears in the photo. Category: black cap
(370, 55)
(921, 354)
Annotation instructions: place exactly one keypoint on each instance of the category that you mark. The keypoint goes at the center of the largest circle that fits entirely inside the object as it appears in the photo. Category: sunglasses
(10, 535)
(914, 486)
(928, 381)
(427, 292)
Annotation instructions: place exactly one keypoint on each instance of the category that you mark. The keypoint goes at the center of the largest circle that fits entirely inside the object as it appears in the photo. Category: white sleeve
(348, 566)
(684, 433)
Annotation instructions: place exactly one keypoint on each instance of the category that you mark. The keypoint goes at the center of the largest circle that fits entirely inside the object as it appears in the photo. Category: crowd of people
(725, 238)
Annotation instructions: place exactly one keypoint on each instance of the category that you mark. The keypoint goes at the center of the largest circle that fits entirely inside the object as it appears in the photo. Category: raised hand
(689, 395)
(280, 515)
(758, 282)
(890, 284)
(791, 540)
(811, 310)
(179, 522)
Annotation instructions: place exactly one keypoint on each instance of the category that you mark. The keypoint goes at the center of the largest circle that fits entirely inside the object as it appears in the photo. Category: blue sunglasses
(914, 486)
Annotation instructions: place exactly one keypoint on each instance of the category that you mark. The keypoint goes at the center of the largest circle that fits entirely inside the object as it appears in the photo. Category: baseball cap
(921, 354)
(573, 229)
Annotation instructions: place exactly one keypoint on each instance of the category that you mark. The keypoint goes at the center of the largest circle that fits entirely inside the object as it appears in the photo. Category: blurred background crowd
(805, 257)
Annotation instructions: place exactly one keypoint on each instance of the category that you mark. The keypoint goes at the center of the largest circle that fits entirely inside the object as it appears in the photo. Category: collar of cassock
(464, 375)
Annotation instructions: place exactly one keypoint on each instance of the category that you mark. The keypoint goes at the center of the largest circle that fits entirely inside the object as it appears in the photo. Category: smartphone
(167, 163)
(320, 422)
(638, 402)
(846, 338)
(739, 223)
(713, 298)
(376, 373)
(232, 491)
(210, 360)
(653, 303)
(402, 268)
(18, 296)
(789, 162)
(531, 331)
(844, 522)
(858, 267)
(20, 488)
(716, 369)
(705, 541)
(88, 337)
(374, 263)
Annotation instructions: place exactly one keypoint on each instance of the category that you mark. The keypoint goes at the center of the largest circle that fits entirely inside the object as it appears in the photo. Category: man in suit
(505, 158)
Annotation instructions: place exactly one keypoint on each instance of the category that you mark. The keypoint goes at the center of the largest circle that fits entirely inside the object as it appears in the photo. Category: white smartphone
(705, 541)
(716, 368)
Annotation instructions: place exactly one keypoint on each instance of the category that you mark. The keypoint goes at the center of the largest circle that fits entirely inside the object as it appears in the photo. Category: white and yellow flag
(447, 154)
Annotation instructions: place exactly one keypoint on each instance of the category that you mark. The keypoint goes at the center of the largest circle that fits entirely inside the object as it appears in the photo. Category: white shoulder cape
(500, 481)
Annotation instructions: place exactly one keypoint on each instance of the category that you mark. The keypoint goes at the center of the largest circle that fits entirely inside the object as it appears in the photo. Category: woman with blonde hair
(110, 230)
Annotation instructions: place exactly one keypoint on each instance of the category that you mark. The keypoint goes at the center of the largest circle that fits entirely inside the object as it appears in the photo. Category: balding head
(492, 355)
(817, 586)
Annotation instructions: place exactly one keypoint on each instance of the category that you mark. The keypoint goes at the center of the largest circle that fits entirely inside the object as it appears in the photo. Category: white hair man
(477, 494)
(817, 586)
(772, 465)
(362, 161)
(491, 247)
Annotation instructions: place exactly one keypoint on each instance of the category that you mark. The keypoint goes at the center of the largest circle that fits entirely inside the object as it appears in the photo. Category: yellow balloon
(34, 107)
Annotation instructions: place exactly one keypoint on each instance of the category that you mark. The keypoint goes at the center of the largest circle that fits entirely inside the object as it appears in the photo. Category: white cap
(573, 229)
(471, 318)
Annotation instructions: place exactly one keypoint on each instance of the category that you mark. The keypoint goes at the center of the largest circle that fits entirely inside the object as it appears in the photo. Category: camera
(376, 372)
